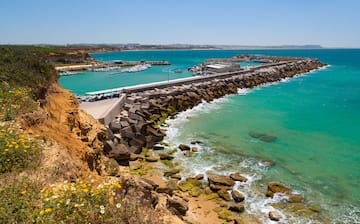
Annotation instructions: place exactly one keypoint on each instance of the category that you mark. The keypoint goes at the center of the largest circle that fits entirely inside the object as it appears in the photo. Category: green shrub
(17, 152)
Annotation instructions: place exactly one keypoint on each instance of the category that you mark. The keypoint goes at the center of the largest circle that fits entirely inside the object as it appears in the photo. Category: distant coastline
(95, 48)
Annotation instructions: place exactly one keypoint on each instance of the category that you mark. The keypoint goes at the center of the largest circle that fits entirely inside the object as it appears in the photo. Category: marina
(117, 65)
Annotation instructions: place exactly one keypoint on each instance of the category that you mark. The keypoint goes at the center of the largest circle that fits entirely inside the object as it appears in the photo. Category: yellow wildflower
(23, 192)
(117, 185)
(42, 212)
(48, 210)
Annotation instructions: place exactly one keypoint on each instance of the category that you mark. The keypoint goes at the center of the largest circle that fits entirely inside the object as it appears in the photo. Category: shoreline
(222, 168)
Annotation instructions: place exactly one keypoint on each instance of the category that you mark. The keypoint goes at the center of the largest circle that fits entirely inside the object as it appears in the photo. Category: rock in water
(158, 147)
(165, 156)
(220, 180)
(238, 177)
(296, 198)
(268, 138)
(263, 137)
(220, 167)
(200, 176)
(151, 159)
(237, 196)
(256, 134)
(275, 216)
(184, 147)
(278, 188)
(195, 149)
(196, 142)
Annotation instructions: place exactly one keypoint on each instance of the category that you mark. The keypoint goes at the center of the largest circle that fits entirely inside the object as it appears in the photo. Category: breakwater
(147, 107)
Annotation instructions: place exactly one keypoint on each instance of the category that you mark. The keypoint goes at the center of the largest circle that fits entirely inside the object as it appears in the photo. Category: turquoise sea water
(315, 117)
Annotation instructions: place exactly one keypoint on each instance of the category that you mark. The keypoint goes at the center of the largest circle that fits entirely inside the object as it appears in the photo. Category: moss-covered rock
(171, 172)
(196, 191)
(211, 196)
(226, 215)
(171, 151)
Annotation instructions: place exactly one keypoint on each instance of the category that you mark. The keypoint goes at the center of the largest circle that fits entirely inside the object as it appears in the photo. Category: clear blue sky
(331, 23)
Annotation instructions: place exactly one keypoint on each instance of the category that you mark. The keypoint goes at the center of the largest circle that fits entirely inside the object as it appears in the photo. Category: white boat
(137, 68)
(106, 69)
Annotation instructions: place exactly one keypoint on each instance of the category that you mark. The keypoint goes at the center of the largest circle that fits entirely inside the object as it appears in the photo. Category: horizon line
(231, 46)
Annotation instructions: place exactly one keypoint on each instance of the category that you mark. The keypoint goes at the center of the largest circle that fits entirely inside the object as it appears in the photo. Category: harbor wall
(138, 118)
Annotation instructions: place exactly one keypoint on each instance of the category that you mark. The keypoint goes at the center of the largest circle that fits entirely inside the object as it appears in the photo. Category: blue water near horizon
(315, 118)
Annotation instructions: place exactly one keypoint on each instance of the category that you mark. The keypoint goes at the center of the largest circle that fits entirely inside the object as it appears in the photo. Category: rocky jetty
(139, 123)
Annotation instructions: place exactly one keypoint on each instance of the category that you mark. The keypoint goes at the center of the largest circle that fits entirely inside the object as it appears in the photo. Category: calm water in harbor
(315, 118)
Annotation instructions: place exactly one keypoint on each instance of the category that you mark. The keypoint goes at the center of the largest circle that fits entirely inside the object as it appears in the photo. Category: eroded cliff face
(72, 139)
(72, 149)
